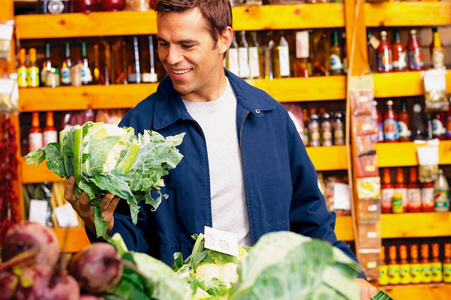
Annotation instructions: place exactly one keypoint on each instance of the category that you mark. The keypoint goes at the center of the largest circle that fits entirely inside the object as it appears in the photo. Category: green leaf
(35, 156)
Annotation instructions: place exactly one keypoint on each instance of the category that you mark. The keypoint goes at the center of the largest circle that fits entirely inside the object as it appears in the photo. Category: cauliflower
(227, 273)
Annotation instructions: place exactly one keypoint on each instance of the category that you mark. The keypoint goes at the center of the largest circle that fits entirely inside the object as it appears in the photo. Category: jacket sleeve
(309, 215)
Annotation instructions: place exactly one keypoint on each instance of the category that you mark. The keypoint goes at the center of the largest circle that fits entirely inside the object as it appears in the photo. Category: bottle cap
(390, 102)
(383, 33)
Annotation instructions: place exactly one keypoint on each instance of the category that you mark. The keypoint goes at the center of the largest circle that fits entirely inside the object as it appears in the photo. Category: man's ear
(225, 39)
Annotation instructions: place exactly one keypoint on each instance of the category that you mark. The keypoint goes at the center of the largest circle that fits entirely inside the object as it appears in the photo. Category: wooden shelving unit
(421, 291)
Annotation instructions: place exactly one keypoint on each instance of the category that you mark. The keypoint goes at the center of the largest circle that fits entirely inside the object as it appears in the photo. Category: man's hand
(367, 290)
(84, 208)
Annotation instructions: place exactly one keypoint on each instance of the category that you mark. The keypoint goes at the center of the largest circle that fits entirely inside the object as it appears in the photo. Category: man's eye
(161, 44)
(187, 46)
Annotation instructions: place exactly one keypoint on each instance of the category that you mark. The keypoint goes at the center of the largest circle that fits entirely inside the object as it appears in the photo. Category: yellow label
(393, 274)
(415, 274)
(22, 77)
(436, 270)
(447, 272)
(426, 274)
(383, 275)
(33, 76)
(404, 274)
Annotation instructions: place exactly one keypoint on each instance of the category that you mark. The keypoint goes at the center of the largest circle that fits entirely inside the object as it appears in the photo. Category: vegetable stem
(127, 162)
(78, 153)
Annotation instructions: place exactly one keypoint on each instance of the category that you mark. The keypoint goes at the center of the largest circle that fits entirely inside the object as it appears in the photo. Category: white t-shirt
(228, 199)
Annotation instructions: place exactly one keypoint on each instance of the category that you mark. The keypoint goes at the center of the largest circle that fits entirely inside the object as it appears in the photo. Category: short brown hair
(217, 12)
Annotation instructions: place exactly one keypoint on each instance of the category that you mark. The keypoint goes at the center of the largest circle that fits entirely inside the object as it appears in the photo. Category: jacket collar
(169, 106)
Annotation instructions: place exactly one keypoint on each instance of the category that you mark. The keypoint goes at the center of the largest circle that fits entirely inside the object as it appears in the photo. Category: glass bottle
(441, 193)
(437, 52)
(393, 266)
(85, 6)
(306, 125)
(397, 206)
(439, 125)
(321, 49)
(32, 69)
(425, 264)
(390, 123)
(282, 57)
(47, 65)
(65, 69)
(243, 56)
(269, 53)
(86, 76)
(415, 266)
(326, 129)
(313, 129)
(427, 197)
(414, 191)
(384, 55)
(254, 56)
(401, 187)
(387, 191)
(417, 126)
(383, 268)
(232, 57)
(22, 68)
(436, 264)
(404, 123)
(372, 44)
(399, 54)
(336, 56)
(35, 140)
(339, 129)
(447, 263)
(50, 135)
(302, 62)
(404, 266)
(415, 52)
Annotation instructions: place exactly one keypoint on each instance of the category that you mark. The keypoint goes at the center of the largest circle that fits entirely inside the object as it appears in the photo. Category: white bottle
(441, 193)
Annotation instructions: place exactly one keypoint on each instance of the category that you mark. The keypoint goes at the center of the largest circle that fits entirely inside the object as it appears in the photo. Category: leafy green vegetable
(107, 158)
(286, 265)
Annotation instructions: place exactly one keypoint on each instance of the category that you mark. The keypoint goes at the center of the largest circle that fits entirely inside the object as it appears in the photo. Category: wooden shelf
(328, 158)
(415, 225)
(344, 229)
(405, 154)
(394, 14)
(439, 291)
(76, 241)
(264, 17)
(402, 84)
(128, 95)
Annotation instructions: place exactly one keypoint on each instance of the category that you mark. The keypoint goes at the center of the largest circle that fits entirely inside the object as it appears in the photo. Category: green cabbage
(107, 158)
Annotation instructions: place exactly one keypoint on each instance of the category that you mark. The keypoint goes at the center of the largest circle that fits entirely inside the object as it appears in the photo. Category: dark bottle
(85, 6)
(65, 69)
(417, 126)
(372, 45)
(86, 75)
(439, 125)
(336, 56)
(404, 123)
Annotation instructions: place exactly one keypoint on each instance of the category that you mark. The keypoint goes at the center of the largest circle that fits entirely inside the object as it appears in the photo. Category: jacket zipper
(242, 124)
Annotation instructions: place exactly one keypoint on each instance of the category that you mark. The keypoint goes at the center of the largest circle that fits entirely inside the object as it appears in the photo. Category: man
(245, 169)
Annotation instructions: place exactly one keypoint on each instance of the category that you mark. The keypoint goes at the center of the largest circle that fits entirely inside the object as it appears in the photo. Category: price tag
(221, 241)
(66, 216)
(38, 211)
(341, 196)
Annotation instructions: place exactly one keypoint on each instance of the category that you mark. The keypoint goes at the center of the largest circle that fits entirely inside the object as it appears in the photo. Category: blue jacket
(280, 180)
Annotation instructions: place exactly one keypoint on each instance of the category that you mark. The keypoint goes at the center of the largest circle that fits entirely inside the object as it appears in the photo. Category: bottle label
(35, 141)
(416, 59)
(446, 272)
(387, 195)
(403, 192)
(385, 61)
(339, 137)
(438, 58)
(390, 129)
(401, 62)
(86, 76)
(393, 274)
(436, 268)
(415, 274)
(441, 198)
(383, 275)
(426, 275)
(33, 77)
(427, 197)
(335, 63)
(243, 62)
(404, 131)
(254, 63)
(437, 128)
(65, 76)
(414, 197)
(22, 77)
(284, 61)
(50, 137)
(404, 274)
(232, 61)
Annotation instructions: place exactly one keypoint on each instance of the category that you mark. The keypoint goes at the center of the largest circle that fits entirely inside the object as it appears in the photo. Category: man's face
(189, 54)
